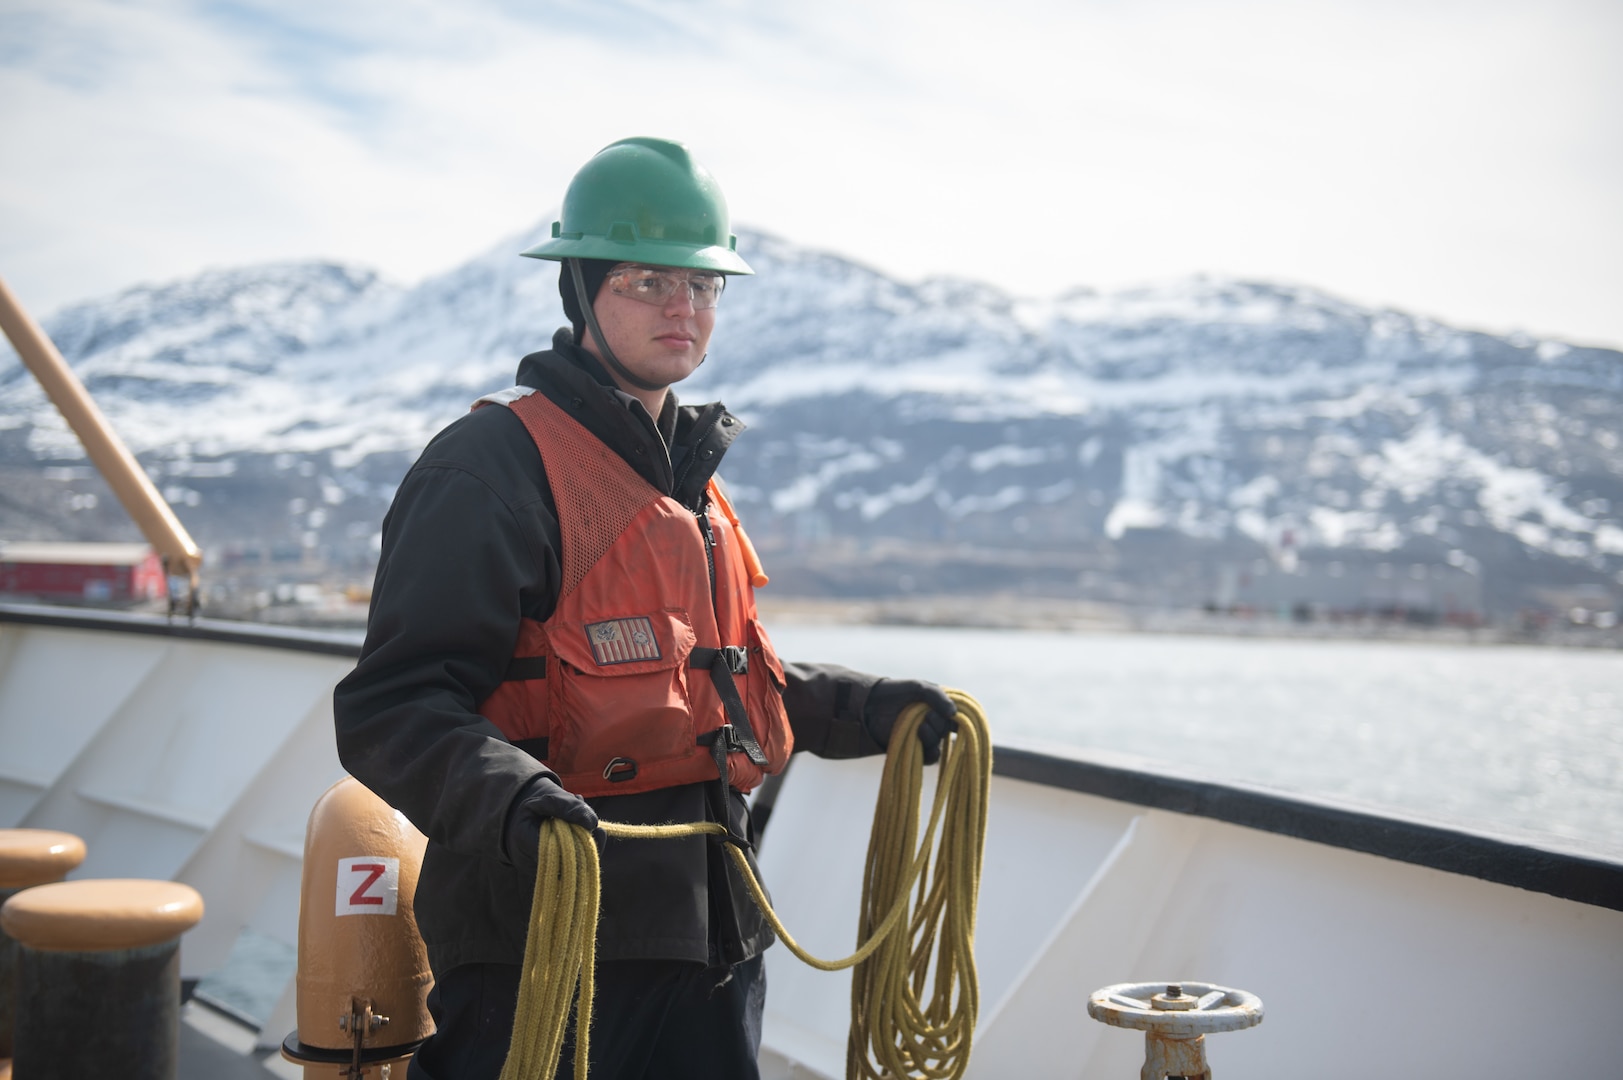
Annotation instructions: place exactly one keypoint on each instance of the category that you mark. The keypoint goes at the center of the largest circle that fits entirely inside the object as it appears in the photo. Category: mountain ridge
(1161, 444)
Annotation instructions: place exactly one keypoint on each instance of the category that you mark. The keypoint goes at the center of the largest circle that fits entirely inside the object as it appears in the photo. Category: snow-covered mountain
(1172, 443)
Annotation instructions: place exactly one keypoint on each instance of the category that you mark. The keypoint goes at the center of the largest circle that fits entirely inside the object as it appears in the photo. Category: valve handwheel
(1175, 1018)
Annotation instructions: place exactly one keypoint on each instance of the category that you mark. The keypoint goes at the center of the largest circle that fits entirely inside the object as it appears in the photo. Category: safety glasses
(656, 285)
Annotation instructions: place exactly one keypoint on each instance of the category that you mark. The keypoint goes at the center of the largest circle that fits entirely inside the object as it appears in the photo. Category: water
(252, 978)
(1509, 739)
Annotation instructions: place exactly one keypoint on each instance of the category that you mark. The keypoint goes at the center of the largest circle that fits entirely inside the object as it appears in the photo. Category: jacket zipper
(702, 509)
(703, 514)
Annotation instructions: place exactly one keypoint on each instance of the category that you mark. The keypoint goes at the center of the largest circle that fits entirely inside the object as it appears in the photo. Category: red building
(83, 573)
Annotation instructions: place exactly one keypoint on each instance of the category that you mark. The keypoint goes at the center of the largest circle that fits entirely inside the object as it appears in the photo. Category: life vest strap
(716, 792)
(735, 657)
(525, 667)
(724, 663)
(536, 748)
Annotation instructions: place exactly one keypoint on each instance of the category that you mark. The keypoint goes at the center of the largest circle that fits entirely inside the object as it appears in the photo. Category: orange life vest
(644, 665)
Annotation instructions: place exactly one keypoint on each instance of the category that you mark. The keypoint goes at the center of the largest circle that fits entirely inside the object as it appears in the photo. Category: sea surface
(1521, 740)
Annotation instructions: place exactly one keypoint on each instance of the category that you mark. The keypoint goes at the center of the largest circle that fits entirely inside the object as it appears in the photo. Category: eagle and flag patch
(622, 641)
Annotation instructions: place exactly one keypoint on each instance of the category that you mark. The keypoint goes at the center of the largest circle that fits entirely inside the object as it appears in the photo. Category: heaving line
(914, 993)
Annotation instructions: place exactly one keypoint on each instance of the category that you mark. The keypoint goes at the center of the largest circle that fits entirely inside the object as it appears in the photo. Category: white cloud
(1459, 160)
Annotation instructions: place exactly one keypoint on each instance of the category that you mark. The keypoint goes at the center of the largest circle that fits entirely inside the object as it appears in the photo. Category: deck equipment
(913, 1003)
(98, 976)
(180, 554)
(28, 857)
(363, 976)
(1175, 1019)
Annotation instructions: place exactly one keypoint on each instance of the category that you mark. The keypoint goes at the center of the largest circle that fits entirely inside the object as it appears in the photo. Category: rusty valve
(1175, 1019)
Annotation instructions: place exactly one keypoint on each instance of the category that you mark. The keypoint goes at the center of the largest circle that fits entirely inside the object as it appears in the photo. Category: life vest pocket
(765, 699)
(620, 694)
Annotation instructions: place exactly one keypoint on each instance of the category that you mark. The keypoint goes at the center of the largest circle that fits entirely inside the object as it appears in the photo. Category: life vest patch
(622, 641)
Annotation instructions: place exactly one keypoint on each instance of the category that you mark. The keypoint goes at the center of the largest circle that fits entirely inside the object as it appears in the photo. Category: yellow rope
(559, 953)
(894, 1031)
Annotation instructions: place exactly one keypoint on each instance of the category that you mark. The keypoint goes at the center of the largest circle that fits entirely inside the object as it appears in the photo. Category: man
(563, 625)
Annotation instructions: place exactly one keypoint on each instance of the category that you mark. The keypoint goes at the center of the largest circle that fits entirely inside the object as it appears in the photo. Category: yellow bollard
(363, 976)
(98, 976)
(28, 857)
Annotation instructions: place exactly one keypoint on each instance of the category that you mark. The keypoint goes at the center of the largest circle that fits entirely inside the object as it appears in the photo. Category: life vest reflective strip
(641, 668)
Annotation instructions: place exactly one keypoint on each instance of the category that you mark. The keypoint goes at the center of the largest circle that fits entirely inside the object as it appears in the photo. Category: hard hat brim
(722, 260)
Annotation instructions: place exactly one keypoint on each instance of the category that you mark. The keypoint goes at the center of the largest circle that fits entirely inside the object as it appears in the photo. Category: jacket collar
(678, 454)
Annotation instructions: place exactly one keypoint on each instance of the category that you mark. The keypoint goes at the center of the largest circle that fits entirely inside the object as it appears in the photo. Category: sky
(1462, 160)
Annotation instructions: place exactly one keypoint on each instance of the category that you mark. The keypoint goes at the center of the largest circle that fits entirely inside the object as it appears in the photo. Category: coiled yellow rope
(560, 953)
(895, 1031)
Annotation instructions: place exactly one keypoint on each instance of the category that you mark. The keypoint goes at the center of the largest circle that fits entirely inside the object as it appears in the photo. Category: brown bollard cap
(101, 915)
(30, 857)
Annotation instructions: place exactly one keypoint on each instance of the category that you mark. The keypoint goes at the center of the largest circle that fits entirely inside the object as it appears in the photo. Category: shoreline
(1055, 615)
(1087, 617)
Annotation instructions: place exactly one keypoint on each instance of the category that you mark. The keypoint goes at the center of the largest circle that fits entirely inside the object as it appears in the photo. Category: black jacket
(470, 546)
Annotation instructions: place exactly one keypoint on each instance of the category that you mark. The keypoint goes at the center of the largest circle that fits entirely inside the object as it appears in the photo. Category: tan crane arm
(180, 554)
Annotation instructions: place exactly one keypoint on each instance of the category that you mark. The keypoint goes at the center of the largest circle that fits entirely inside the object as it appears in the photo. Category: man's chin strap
(596, 331)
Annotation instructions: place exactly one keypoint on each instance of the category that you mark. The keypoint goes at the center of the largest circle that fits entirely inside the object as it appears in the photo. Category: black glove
(542, 798)
(887, 699)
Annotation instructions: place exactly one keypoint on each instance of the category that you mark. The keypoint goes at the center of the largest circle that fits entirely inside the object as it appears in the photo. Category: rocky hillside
(1199, 442)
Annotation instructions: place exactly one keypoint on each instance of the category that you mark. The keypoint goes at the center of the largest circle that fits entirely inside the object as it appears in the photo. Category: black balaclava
(594, 271)
(583, 318)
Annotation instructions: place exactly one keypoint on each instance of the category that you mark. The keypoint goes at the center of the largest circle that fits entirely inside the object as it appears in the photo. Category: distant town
(1303, 597)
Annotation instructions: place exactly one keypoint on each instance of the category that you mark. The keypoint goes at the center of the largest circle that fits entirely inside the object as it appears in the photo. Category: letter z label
(368, 885)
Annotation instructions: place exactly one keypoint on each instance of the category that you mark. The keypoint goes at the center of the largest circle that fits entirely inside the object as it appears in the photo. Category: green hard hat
(646, 201)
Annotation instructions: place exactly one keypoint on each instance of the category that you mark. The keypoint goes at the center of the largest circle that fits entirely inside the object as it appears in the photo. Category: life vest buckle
(728, 736)
(620, 769)
(736, 657)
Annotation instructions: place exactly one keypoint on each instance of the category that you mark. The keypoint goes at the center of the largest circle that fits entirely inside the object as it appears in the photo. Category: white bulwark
(1380, 946)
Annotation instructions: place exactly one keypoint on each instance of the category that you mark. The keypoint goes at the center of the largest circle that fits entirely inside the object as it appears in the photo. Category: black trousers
(651, 1020)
